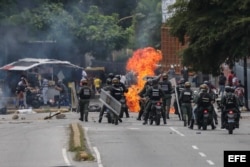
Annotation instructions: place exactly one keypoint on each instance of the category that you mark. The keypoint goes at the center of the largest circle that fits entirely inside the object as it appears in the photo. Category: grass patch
(82, 153)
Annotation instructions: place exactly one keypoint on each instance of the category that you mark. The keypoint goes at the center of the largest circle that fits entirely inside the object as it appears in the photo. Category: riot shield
(110, 102)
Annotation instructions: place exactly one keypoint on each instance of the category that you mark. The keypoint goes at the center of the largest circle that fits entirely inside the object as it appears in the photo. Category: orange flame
(143, 63)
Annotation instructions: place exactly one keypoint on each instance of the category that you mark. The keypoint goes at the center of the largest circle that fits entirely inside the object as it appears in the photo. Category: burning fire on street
(143, 63)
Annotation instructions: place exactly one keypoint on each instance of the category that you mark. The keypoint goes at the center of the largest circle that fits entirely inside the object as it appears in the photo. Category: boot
(191, 124)
(100, 120)
(213, 126)
(185, 123)
(145, 122)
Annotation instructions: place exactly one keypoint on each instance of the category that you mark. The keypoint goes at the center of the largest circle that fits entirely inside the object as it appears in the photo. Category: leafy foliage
(216, 30)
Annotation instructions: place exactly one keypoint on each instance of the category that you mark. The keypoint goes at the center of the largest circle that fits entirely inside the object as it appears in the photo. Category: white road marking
(195, 147)
(202, 154)
(176, 131)
(98, 157)
(210, 162)
(66, 160)
(133, 128)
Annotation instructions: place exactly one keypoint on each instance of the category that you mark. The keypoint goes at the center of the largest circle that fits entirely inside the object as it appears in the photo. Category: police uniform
(230, 101)
(155, 93)
(84, 95)
(166, 86)
(186, 97)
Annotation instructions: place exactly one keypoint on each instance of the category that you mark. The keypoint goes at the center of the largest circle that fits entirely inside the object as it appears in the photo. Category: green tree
(215, 30)
(86, 30)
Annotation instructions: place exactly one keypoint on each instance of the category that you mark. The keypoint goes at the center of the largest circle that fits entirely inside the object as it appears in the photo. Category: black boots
(191, 126)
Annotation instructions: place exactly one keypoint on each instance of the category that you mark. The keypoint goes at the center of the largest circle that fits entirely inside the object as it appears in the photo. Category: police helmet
(150, 81)
(187, 84)
(203, 87)
(115, 81)
(118, 76)
(111, 75)
(164, 76)
(109, 81)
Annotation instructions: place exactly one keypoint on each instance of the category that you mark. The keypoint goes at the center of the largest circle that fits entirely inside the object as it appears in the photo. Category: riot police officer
(177, 92)
(84, 98)
(107, 88)
(210, 89)
(166, 86)
(204, 101)
(186, 97)
(142, 94)
(154, 93)
(230, 101)
(125, 90)
(117, 92)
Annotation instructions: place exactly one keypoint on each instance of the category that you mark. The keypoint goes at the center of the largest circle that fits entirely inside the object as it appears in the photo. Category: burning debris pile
(142, 63)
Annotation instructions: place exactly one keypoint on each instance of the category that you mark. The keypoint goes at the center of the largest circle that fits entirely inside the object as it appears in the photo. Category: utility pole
(245, 82)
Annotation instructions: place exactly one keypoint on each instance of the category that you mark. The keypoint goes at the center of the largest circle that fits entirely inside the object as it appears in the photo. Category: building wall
(170, 46)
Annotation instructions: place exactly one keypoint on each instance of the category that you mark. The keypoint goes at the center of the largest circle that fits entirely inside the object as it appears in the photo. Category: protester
(230, 78)
(97, 84)
(64, 95)
(222, 83)
(45, 88)
(20, 92)
(171, 72)
(184, 73)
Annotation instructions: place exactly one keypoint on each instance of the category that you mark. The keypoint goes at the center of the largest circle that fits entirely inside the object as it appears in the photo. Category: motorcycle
(205, 119)
(34, 98)
(230, 120)
(156, 113)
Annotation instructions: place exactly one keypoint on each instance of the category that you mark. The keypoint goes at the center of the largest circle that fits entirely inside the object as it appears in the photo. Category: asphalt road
(44, 143)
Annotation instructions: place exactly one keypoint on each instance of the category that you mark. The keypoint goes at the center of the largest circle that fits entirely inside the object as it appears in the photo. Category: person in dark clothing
(186, 97)
(184, 73)
(177, 92)
(125, 90)
(166, 86)
(117, 92)
(84, 97)
(222, 83)
(107, 88)
(154, 94)
(230, 101)
(64, 95)
(142, 94)
(204, 101)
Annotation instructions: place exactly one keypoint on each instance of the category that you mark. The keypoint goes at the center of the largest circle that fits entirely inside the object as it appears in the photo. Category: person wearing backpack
(84, 98)
(166, 86)
(229, 101)
(222, 83)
